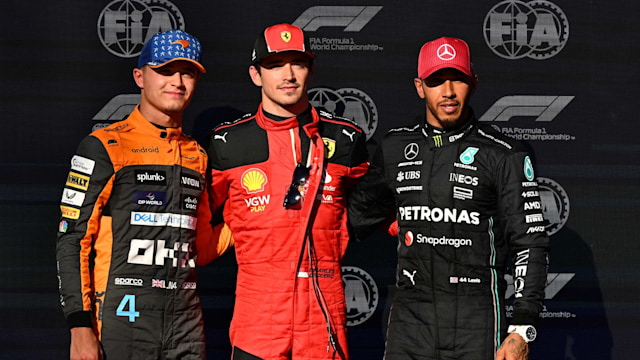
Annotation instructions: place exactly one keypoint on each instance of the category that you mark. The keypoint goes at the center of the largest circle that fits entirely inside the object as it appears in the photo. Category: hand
(85, 344)
(513, 348)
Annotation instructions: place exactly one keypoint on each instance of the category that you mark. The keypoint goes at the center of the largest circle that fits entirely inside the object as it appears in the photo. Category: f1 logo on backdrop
(545, 108)
(125, 25)
(536, 29)
(118, 108)
(352, 18)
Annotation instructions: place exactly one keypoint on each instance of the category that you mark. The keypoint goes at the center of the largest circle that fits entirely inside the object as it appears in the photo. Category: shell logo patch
(254, 180)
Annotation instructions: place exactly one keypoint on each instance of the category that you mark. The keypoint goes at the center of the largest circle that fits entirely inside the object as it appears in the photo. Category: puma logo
(221, 137)
(350, 135)
(410, 275)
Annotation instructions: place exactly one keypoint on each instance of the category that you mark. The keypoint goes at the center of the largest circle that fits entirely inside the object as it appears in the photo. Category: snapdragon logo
(517, 29)
(125, 25)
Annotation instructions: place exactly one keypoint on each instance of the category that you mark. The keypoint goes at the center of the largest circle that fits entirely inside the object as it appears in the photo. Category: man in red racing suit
(289, 225)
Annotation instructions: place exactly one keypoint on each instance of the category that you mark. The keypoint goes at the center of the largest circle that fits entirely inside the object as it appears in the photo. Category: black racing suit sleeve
(76, 235)
(371, 203)
(521, 210)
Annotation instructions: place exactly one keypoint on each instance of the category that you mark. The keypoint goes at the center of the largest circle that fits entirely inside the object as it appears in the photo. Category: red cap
(278, 38)
(443, 53)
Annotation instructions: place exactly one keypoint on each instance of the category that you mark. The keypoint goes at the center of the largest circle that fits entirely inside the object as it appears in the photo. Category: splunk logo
(125, 25)
(517, 29)
(351, 18)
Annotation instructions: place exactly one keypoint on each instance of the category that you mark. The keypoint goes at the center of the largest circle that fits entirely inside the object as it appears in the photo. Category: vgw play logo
(125, 25)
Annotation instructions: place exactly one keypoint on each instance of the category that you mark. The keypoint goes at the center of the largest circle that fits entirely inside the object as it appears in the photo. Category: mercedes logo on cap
(411, 151)
(446, 52)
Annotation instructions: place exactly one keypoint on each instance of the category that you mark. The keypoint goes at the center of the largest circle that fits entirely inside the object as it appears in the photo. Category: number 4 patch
(131, 313)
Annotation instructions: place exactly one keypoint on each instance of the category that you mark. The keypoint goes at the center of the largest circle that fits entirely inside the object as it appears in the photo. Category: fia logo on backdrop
(535, 29)
(125, 25)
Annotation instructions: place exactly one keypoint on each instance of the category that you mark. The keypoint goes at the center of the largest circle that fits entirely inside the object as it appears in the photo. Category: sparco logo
(125, 25)
(516, 29)
(555, 204)
(352, 18)
(350, 103)
(361, 295)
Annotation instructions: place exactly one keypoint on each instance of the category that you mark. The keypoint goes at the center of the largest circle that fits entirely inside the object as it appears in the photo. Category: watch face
(531, 333)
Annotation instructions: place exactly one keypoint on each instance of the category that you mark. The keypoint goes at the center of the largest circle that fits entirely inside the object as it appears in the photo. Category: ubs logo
(125, 25)
(516, 29)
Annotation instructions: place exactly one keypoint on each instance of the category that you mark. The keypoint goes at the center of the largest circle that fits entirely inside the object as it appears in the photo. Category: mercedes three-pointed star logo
(446, 52)
(411, 151)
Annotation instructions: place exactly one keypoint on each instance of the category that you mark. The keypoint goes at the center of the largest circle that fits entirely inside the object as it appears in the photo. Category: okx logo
(351, 18)
(517, 29)
(125, 25)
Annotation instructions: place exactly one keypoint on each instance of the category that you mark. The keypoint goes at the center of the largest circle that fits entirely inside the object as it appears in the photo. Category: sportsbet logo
(254, 180)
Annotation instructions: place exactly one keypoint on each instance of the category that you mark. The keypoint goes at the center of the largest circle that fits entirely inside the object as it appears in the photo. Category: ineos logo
(446, 52)
(411, 151)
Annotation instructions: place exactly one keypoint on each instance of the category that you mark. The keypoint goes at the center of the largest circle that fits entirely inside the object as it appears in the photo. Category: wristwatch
(528, 332)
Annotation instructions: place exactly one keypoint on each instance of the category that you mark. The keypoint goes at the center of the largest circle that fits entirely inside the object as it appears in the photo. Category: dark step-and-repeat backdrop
(560, 75)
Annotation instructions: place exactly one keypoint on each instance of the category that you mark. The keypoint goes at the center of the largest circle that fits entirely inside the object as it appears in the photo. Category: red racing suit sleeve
(211, 242)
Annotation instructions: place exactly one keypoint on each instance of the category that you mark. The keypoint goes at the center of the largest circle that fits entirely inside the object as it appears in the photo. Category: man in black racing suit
(467, 208)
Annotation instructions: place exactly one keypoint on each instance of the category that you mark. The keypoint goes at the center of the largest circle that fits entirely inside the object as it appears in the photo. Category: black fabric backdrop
(561, 76)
